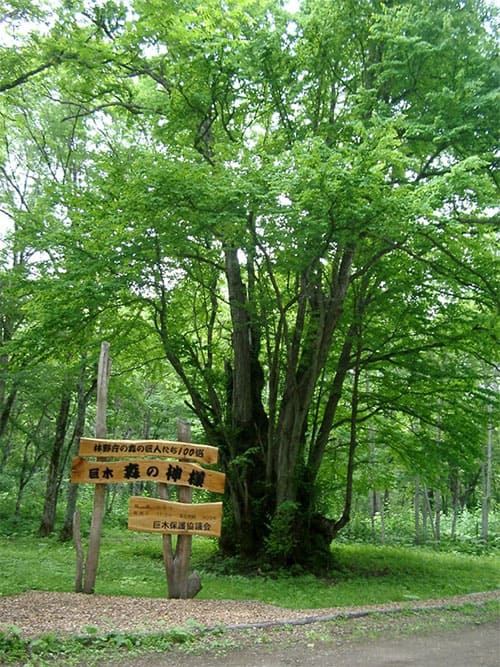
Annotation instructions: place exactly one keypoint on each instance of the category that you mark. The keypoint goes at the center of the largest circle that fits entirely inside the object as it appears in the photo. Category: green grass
(367, 575)
(131, 564)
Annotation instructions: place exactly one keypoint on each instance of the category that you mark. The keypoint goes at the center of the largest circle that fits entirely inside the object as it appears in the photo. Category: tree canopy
(298, 211)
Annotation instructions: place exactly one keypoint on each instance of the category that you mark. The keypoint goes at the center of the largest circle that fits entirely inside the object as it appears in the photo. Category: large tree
(265, 183)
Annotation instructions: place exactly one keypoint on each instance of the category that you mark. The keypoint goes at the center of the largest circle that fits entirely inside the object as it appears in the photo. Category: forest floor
(36, 613)
(448, 631)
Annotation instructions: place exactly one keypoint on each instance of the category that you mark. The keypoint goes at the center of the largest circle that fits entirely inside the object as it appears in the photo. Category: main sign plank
(153, 515)
(100, 448)
(169, 472)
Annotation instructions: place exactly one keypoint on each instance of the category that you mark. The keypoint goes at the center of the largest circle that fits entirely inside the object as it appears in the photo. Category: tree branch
(26, 76)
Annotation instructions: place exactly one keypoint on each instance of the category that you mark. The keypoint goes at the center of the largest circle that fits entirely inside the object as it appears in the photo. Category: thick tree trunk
(267, 473)
(248, 422)
(264, 458)
(318, 315)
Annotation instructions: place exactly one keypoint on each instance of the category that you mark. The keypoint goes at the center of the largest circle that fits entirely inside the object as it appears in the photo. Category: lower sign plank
(169, 472)
(152, 515)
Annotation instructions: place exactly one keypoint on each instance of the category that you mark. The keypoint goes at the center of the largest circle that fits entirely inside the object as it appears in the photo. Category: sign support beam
(180, 584)
(104, 371)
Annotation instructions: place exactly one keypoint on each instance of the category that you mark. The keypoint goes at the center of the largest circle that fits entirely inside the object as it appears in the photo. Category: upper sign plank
(101, 448)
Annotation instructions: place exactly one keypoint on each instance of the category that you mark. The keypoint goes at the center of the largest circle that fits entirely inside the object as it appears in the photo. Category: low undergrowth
(45, 649)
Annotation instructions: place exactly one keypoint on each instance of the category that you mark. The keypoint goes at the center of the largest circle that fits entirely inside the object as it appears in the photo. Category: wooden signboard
(150, 470)
(153, 515)
(103, 448)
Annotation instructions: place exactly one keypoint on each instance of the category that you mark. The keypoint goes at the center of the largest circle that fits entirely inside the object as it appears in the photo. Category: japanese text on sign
(178, 473)
(100, 447)
(163, 516)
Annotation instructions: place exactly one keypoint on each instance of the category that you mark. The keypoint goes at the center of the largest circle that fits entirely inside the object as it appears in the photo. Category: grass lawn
(131, 564)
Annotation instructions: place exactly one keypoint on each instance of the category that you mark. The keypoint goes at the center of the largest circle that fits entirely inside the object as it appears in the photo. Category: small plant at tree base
(12, 646)
(282, 540)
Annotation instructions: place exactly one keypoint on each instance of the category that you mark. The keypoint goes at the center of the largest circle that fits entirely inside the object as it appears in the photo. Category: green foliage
(91, 648)
(283, 537)
(248, 205)
(12, 646)
(399, 529)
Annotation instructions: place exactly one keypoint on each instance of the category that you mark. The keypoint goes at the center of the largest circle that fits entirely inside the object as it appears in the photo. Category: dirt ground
(476, 646)
(452, 632)
(35, 613)
(425, 636)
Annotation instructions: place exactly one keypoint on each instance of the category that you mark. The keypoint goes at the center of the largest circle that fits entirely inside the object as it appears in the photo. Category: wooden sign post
(103, 373)
(149, 470)
(168, 463)
(103, 448)
(180, 583)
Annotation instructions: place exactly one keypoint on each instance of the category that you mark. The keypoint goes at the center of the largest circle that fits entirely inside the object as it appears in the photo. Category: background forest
(286, 226)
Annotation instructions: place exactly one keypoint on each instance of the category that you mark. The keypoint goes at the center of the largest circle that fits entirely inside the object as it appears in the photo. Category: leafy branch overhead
(297, 211)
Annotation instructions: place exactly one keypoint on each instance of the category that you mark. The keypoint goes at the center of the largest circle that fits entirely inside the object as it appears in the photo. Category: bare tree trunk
(25, 474)
(373, 493)
(372, 501)
(437, 491)
(416, 505)
(427, 513)
(437, 516)
(100, 490)
(486, 480)
(455, 490)
(309, 348)
(67, 530)
(52, 486)
(383, 504)
(6, 410)
(248, 421)
(353, 442)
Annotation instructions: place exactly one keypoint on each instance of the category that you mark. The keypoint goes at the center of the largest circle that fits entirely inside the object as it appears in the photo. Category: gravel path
(36, 612)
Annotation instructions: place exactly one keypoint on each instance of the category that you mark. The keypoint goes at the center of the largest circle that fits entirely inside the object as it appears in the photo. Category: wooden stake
(103, 374)
(180, 584)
